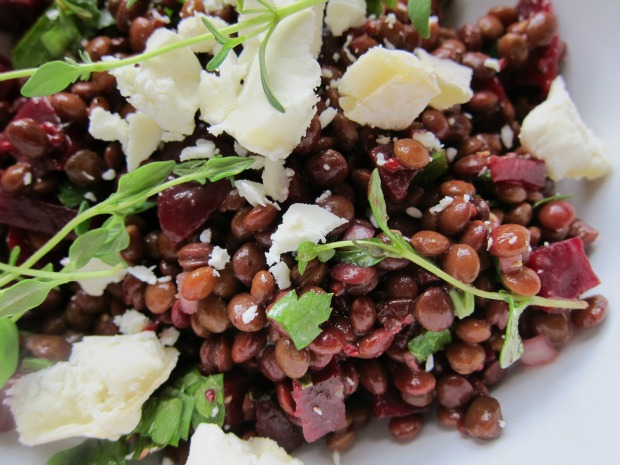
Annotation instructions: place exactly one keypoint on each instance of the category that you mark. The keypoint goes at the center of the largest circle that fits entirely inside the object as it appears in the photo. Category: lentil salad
(384, 285)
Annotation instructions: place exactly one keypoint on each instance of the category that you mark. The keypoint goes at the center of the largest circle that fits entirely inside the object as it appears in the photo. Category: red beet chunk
(564, 269)
(33, 214)
(17, 237)
(183, 209)
(391, 404)
(544, 64)
(395, 178)
(236, 385)
(320, 406)
(530, 174)
(271, 422)
(527, 8)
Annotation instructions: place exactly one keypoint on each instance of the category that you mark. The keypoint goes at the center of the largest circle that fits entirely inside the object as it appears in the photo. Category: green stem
(53, 275)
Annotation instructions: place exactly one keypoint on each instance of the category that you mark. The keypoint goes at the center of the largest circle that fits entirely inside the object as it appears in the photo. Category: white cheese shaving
(143, 273)
(202, 150)
(253, 192)
(219, 258)
(442, 205)
(430, 363)
(428, 140)
(508, 136)
(169, 336)
(282, 275)
(212, 446)
(193, 26)
(249, 314)
(131, 322)
(325, 195)
(98, 393)
(413, 212)
(387, 89)
(327, 116)
(301, 222)
(451, 154)
(493, 64)
(554, 132)
(341, 15)
(90, 196)
(205, 236)
(276, 179)
(109, 175)
(96, 286)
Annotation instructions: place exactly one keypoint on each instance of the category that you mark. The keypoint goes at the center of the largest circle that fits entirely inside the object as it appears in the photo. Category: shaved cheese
(387, 89)
(193, 26)
(96, 286)
(341, 15)
(202, 150)
(253, 192)
(143, 139)
(301, 222)
(143, 273)
(327, 116)
(282, 275)
(276, 179)
(131, 322)
(98, 393)
(454, 80)
(293, 75)
(554, 132)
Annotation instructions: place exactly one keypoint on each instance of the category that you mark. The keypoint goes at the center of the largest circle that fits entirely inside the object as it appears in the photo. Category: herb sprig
(367, 252)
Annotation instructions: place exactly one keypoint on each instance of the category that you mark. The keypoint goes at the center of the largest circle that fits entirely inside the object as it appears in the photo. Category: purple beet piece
(530, 174)
(183, 209)
(394, 176)
(391, 404)
(400, 310)
(564, 269)
(236, 385)
(320, 405)
(33, 214)
(271, 422)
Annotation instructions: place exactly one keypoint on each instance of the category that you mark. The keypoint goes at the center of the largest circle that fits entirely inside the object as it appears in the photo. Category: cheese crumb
(96, 286)
(98, 393)
(253, 192)
(324, 196)
(555, 133)
(219, 258)
(493, 64)
(428, 140)
(301, 222)
(282, 274)
(413, 212)
(341, 15)
(203, 149)
(508, 136)
(327, 116)
(442, 205)
(144, 274)
(131, 322)
(109, 175)
(205, 236)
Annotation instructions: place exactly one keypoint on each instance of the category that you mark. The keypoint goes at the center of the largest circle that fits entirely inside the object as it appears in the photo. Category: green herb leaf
(364, 253)
(220, 56)
(377, 202)
(51, 78)
(301, 317)
(464, 303)
(208, 409)
(163, 416)
(427, 343)
(9, 349)
(375, 7)
(92, 452)
(513, 345)
(70, 195)
(86, 247)
(36, 364)
(217, 35)
(25, 295)
(551, 199)
(306, 252)
(264, 76)
(420, 13)
(131, 3)
(214, 169)
(144, 178)
(432, 171)
(326, 255)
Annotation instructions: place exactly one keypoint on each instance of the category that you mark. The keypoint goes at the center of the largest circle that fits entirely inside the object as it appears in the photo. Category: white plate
(566, 413)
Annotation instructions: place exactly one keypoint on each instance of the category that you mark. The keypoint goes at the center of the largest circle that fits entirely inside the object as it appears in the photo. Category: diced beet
(530, 174)
(271, 422)
(17, 237)
(395, 178)
(543, 65)
(40, 110)
(320, 406)
(491, 85)
(33, 214)
(563, 269)
(526, 8)
(183, 209)
(538, 351)
(236, 384)
(391, 404)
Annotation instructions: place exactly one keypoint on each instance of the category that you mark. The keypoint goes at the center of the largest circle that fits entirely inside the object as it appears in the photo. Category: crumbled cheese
(131, 322)
(554, 132)
(381, 159)
(212, 446)
(442, 205)
(143, 137)
(508, 136)
(96, 286)
(430, 363)
(493, 64)
(454, 80)
(90, 196)
(323, 196)
(282, 275)
(428, 140)
(205, 236)
(347, 51)
(451, 154)
(301, 222)
(165, 87)
(108, 126)
(27, 178)
(383, 140)
(219, 258)
(109, 175)
(253, 192)
(293, 75)
(143, 273)
(327, 116)
(341, 15)
(249, 314)
(193, 26)
(413, 212)
(218, 93)
(336, 457)
(502, 424)
(98, 393)
(317, 410)
(241, 151)
(276, 179)
(387, 89)
(164, 279)
(202, 150)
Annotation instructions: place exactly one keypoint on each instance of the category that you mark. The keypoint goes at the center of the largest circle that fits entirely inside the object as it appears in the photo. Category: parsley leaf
(464, 303)
(144, 177)
(301, 317)
(70, 195)
(427, 343)
(364, 254)
(92, 452)
(432, 171)
(420, 13)
(9, 349)
(513, 345)
(541, 202)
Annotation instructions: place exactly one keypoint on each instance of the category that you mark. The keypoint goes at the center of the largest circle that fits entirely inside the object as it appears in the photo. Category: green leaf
(144, 178)
(464, 303)
(164, 420)
(131, 3)
(220, 56)
(432, 171)
(377, 202)
(51, 78)
(9, 349)
(86, 247)
(264, 76)
(420, 13)
(70, 195)
(207, 410)
(326, 255)
(118, 238)
(36, 364)
(217, 35)
(364, 253)
(427, 343)
(14, 255)
(213, 169)
(306, 252)
(92, 452)
(551, 199)
(513, 345)
(240, 6)
(25, 295)
(301, 317)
